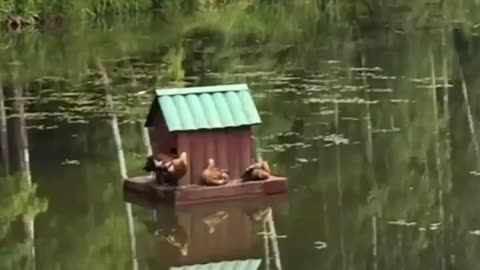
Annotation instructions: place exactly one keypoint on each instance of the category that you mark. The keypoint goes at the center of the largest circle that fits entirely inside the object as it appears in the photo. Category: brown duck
(214, 176)
(257, 171)
(167, 170)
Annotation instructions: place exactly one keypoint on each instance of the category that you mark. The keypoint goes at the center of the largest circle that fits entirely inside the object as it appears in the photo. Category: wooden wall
(230, 148)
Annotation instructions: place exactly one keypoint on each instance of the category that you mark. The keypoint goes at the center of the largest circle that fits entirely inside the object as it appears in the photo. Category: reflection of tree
(17, 199)
(90, 228)
(121, 158)
(4, 133)
(398, 207)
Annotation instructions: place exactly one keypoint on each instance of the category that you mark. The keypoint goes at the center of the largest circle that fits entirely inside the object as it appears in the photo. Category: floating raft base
(193, 194)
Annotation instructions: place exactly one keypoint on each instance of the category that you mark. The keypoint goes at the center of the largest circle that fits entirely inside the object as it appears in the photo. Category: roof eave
(215, 128)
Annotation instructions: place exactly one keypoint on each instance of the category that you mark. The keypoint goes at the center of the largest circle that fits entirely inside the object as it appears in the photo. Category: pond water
(377, 132)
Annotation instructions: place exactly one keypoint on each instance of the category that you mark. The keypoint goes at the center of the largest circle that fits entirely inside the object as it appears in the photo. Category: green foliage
(404, 14)
(17, 198)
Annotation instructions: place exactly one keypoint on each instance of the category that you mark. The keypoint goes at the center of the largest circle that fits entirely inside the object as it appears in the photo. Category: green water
(376, 130)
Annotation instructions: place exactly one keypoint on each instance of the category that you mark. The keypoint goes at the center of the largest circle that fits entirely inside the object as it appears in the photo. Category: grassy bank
(20, 13)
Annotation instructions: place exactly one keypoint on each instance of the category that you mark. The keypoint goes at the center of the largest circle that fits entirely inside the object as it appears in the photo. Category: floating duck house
(205, 122)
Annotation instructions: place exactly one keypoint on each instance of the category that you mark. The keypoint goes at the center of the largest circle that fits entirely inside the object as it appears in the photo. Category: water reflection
(120, 156)
(208, 233)
(20, 204)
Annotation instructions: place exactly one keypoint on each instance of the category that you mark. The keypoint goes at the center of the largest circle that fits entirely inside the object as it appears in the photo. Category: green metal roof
(207, 107)
(251, 264)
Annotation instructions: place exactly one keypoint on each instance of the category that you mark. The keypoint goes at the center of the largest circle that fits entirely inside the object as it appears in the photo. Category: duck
(175, 236)
(214, 219)
(214, 176)
(257, 171)
(167, 170)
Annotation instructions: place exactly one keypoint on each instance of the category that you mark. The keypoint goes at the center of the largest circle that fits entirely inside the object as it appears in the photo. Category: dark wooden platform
(194, 194)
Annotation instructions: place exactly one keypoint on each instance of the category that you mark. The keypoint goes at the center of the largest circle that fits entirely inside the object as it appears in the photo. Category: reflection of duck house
(206, 122)
(208, 231)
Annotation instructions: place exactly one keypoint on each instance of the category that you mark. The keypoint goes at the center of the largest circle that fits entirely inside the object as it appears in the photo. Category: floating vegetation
(316, 138)
(364, 69)
(434, 226)
(352, 88)
(283, 90)
(336, 139)
(324, 112)
(379, 90)
(285, 146)
(320, 245)
(401, 222)
(402, 101)
(354, 100)
(421, 80)
(42, 127)
(70, 162)
(382, 77)
(378, 130)
(271, 235)
(350, 119)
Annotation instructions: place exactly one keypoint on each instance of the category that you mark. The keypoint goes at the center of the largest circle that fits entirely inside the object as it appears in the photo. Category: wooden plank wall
(230, 148)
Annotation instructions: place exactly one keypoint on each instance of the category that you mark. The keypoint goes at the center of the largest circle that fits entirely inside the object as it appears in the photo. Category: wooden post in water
(121, 159)
(4, 133)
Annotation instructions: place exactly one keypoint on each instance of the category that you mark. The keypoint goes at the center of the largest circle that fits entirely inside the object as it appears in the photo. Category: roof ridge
(201, 89)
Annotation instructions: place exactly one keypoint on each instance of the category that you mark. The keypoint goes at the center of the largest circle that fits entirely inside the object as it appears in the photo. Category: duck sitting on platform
(257, 171)
(167, 171)
(214, 176)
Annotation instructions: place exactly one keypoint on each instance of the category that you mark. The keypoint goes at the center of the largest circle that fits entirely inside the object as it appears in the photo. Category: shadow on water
(377, 133)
